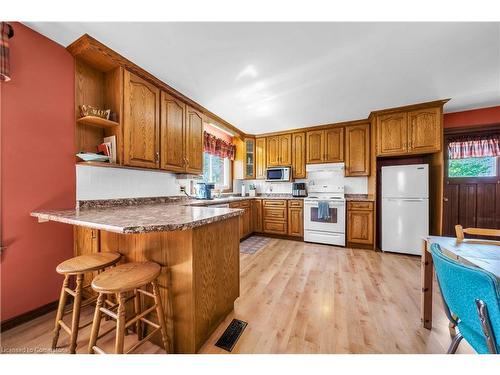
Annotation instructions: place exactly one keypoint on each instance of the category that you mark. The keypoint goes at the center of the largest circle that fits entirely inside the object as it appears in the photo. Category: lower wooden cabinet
(245, 220)
(274, 214)
(360, 224)
(257, 215)
(295, 218)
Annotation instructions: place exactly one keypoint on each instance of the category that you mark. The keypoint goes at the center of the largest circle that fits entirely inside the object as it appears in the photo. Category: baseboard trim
(27, 316)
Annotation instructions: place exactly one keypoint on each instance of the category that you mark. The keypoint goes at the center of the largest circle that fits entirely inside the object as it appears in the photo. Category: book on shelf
(110, 143)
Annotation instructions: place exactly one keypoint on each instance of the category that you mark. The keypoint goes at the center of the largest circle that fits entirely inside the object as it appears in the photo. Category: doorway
(471, 180)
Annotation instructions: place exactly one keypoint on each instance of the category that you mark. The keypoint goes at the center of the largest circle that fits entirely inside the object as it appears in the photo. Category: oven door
(335, 222)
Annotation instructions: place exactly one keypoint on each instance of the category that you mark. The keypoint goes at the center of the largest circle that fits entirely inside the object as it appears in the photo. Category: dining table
(483, 254)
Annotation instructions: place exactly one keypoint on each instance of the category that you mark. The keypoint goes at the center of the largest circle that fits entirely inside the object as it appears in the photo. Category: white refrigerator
(405, 207)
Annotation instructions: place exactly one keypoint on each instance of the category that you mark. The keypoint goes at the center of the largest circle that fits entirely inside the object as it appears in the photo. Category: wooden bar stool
(120, 280)
(78, 267)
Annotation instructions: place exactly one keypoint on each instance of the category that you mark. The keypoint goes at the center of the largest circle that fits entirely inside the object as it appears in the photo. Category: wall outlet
(182, 189)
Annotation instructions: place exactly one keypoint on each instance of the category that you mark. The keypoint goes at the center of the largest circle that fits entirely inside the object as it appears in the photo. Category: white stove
(324, 208)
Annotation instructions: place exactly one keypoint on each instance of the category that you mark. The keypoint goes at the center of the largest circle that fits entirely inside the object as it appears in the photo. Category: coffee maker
(204, 190)
(299, 189)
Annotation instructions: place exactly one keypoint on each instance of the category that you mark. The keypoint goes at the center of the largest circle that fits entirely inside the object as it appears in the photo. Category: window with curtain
(217, 158)
(473, 156)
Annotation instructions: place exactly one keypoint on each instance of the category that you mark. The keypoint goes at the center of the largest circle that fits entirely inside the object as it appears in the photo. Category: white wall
(352, 185)
(111, 183)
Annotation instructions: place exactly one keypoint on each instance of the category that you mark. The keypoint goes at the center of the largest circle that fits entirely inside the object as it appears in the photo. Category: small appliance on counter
(299, 189)
(278, 174)
(204, 190)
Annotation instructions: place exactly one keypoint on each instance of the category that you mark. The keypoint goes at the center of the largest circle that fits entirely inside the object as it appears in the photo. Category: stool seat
(126, 277)
(87, 263)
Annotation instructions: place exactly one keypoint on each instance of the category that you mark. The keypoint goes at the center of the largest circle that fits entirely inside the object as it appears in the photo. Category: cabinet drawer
(245, 204)
(234, 205)
(295, 203)
(274, 203)
(275, 227)
(275, 213)
(360, 206)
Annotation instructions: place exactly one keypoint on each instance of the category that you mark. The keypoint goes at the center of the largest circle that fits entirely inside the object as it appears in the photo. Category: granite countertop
(139, 218)
(235, 198)
(360, 197)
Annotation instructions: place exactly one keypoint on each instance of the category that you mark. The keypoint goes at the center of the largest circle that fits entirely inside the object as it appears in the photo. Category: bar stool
(120, 280)
(78, 266)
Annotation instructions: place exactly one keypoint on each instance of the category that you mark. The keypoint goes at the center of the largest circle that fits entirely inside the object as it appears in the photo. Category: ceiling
(264, 77)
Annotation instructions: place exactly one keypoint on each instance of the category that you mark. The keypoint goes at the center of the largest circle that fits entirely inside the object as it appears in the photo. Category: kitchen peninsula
(197, 247)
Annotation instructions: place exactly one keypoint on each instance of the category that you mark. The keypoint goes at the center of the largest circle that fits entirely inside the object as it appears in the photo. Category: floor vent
(231, 335)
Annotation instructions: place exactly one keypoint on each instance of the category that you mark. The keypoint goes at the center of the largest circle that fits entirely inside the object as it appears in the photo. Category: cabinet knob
(157, 156)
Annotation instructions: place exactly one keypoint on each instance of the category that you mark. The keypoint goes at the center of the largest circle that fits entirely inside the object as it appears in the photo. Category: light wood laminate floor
(304, 298)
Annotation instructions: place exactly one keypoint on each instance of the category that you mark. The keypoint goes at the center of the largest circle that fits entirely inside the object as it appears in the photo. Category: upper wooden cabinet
(299, 155)
(357, 150)
(244, 161)
(194, 141)
(424, 130)
(279, 150)
(325, 146)
(172, 128)
(141, 122)
(416, 131)
(260, 158)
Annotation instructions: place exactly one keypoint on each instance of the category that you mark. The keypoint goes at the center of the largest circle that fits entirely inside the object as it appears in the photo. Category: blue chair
(471, 298)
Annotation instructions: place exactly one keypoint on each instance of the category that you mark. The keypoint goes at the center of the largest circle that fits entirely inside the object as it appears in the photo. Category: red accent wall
(474, 117)
(37, 169)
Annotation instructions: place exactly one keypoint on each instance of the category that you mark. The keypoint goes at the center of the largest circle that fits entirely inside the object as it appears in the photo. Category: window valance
(218, 147)
(463, 147)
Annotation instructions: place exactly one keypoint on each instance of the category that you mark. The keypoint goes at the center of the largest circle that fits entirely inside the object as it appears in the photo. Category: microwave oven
(278, 174)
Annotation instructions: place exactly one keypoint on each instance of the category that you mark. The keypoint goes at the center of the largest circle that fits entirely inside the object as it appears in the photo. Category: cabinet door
(194, 141)
(360, 227)
(315, 146)
(295, 222)
(285, 145)
(392, 134)
(273, 151)
(299, 155)
(257, 215)
(334, 145)
(248, 221)
(260, 158)
(357, 150)
(172, 120)
(141, 122)
(424, 130)
(249, 159)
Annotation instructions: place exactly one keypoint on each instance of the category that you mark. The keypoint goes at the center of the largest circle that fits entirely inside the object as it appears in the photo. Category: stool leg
(120, 324)
(60, 311)
(161, 315)
(96, 324)
(137, 311)
(75, 321)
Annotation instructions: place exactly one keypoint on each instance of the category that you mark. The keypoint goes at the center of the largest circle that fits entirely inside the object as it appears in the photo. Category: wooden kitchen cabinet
(257, 215)
(279, 150)
(172, 129)
(325, 146)
(194, 141)
(274, 213)
(417, 131)
(295, 218)
(299, 155)
(260, 158)
(357, 150)
(424, 130)
(245, 220)
(360, 224)
(141, 122)
(244, 161)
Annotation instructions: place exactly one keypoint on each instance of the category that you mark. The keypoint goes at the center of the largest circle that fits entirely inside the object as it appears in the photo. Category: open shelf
(97, 121)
